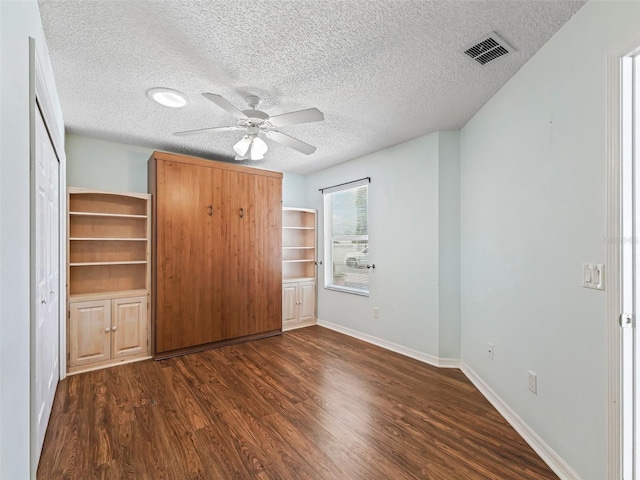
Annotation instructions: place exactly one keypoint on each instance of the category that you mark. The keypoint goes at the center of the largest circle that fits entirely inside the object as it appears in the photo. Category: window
(346, 209)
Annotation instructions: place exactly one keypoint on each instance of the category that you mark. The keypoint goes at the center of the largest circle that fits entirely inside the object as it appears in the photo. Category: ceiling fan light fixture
(258, 149)
(242, 147)
(167, 97)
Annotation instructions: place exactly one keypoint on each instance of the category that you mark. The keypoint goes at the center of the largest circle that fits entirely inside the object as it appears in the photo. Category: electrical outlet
(490, 351)
(376, 312)
(533, 382)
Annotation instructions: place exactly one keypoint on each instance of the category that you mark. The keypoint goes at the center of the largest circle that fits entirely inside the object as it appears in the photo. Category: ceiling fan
(256, 123)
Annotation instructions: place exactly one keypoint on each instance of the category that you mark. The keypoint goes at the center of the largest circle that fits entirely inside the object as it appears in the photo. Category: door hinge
(626, 320)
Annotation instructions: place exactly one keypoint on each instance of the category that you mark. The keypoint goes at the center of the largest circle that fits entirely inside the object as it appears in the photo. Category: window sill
(352, 291)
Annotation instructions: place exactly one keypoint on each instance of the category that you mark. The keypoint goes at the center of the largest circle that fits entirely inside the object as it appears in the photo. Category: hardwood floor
(310, 404)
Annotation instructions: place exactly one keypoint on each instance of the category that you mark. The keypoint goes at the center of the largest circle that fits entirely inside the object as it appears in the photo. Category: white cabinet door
(89, 332)
(129, 326)
(307, 299)
(289, 303)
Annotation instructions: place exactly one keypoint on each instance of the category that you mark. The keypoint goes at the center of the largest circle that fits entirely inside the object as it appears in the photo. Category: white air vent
(488, 48)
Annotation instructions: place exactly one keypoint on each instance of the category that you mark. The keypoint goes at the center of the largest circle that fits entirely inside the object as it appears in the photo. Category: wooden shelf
(108, 239)
(93, 264)
(297, 279)
(114, 215)
(298, 267)
(108, 277)
(106, 295)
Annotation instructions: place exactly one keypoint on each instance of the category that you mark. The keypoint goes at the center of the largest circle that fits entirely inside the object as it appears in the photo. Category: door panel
(237, 302)
(289, 302)
(47, 276)
(185, 243)
(129, 326)
(89, 332)
(265, 254)
(307, 301)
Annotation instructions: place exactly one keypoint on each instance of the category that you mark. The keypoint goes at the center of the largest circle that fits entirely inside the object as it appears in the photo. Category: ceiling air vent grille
(488, 48)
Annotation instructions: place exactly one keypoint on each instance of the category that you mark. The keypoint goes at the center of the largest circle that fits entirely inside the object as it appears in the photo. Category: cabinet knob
(107, 329)
(113, 329)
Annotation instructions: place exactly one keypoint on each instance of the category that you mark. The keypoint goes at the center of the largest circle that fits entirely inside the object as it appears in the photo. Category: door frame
(41, 95)
(614, 241)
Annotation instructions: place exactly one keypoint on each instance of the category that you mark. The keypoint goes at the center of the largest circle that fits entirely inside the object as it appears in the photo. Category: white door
(47, 278)
(630, 338)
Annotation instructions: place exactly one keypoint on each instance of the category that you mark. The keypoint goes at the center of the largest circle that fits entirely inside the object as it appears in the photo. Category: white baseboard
(548, 454)
(394, 347)
(287, 328)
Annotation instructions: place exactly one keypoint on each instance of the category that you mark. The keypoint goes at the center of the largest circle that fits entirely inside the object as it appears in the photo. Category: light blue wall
(449, 243)
(403, 244)
(113, 166)
(533, 208)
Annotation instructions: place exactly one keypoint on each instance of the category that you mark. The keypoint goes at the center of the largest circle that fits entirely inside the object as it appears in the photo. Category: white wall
(18, 21)
(533, 208)
(116, 167)
(103, 165)
(449, 243)
(403, 231)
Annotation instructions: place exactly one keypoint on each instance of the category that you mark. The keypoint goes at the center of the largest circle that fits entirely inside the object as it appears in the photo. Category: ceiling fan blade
(290, 142)
(294, 118)
(224, 104)
(205, 130)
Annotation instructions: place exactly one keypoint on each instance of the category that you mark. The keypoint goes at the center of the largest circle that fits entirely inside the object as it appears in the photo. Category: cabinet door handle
(107, 329)
(242, 213)
(113, 329)
(210, 210)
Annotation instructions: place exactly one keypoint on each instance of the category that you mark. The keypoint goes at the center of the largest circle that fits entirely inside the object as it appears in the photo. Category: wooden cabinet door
(265, 253)
(89, 332)
(128, 326)
(187, 283)
(307, 299)
(252, 264)
(237, 299)
(289, 303)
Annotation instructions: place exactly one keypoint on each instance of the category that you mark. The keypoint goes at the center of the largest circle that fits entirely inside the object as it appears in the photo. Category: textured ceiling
(381, 71)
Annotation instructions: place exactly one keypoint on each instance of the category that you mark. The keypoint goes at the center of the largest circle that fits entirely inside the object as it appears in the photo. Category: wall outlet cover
(533, 382)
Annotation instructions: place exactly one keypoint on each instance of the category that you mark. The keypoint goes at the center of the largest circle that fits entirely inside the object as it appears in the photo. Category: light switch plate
(593, 275)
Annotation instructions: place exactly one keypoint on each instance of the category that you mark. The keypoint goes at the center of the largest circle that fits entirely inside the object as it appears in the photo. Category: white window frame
(329, 237)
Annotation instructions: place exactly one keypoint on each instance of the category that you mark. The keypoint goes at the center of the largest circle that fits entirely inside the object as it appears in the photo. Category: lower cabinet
(107, 332)
(298, 304)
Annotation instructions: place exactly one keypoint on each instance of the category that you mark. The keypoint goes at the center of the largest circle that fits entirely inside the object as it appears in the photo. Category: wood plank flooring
(310, 404)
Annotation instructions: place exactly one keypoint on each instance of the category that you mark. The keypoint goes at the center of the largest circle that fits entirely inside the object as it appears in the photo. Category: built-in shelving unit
(109, 277)
(298, 267)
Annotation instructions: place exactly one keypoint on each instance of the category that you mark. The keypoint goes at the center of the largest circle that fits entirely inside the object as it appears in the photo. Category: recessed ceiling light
(167, 97)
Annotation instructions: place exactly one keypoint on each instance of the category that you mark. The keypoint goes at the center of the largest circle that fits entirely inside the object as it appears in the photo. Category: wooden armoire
(216, 262)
